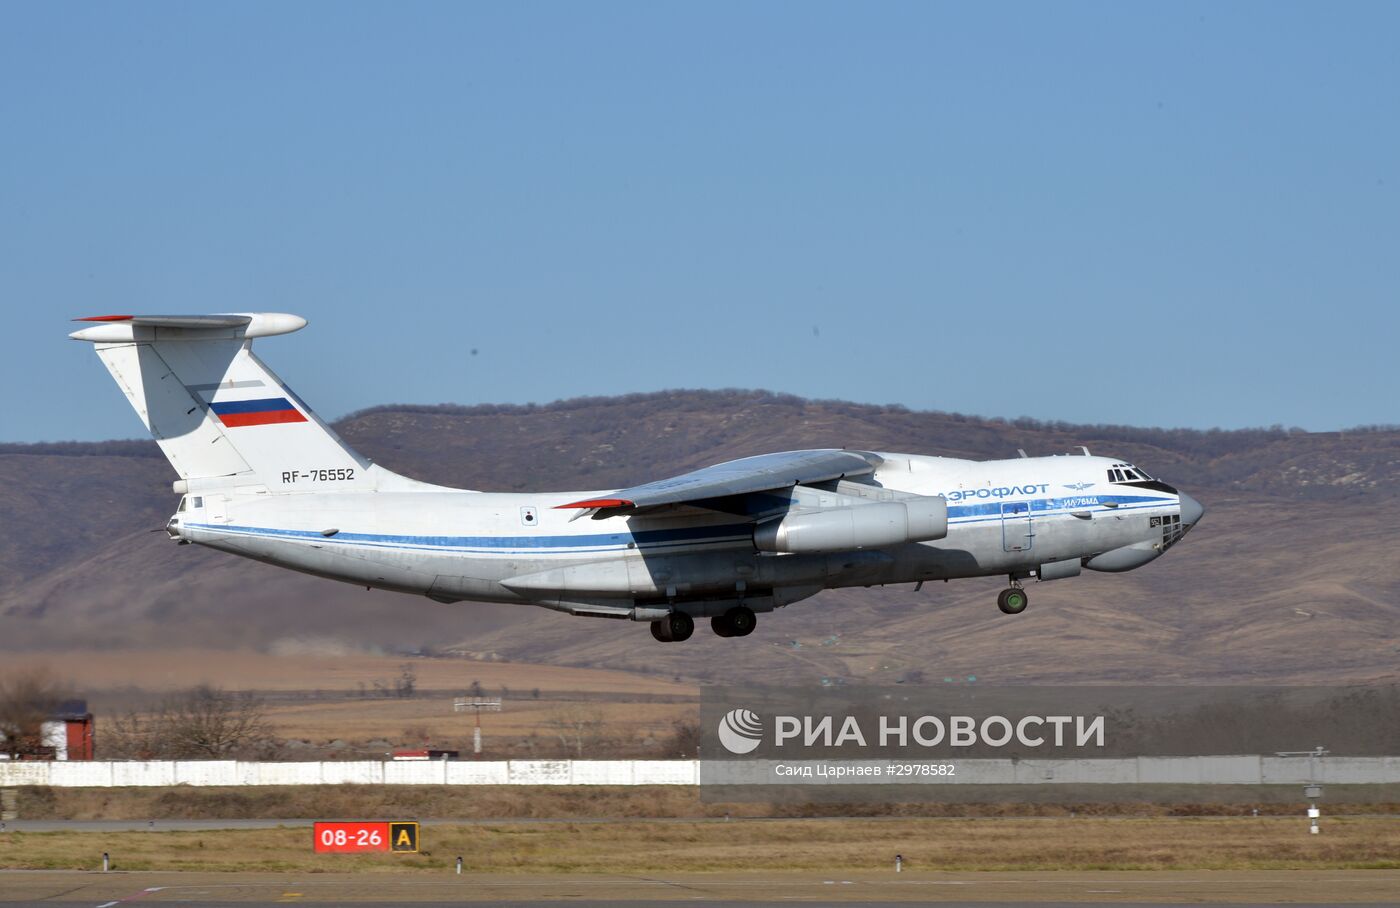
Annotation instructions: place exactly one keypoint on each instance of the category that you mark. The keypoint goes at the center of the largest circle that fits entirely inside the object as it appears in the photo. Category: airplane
(262, 476)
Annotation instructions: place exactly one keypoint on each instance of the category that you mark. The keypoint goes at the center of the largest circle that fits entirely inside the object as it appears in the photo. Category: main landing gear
(674, 628)
(677, 626)
(737, 622)
(1014, 600)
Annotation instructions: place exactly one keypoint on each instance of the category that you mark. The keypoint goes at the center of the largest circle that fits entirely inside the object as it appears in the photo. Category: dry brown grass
(328, 801)
(351, 720)
(591, 802)
(341, 705)
(172, 669)
(756, 845)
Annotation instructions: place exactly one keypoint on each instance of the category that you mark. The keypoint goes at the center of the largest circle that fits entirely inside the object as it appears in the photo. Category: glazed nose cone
(1191, 510)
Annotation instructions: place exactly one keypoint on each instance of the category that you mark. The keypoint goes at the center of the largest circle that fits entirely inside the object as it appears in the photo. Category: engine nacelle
(860, 526)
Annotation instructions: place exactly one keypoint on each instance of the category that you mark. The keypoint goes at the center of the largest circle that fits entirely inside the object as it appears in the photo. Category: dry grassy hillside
(1291, 576)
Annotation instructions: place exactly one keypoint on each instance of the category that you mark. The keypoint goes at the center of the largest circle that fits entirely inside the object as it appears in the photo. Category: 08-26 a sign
(360, 837)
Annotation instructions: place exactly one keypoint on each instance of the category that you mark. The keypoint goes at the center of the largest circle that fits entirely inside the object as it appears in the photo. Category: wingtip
(105, 318)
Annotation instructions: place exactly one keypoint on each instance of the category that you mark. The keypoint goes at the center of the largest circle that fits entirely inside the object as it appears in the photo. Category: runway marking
(671, 883)
(134, 896)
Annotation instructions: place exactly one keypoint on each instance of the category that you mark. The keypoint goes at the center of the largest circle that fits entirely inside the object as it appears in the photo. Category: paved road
(118, 890)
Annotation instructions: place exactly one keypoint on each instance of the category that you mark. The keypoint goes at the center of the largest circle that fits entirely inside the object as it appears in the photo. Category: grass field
(754, 845)
(344, 705)
(408, 722)
(92, 672)
(591, 802)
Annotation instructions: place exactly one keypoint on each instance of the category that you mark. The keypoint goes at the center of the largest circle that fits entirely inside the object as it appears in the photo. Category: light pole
(476, 704)
(1311, 791)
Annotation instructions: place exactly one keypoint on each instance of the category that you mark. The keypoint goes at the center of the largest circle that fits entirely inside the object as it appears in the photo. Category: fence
(377, 772)
(1237, 770)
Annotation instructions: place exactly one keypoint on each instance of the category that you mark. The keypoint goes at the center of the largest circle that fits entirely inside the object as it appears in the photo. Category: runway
(111, 890)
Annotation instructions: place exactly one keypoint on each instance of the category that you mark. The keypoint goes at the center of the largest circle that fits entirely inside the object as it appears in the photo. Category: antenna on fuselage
(1022, 452)
(1086, 451)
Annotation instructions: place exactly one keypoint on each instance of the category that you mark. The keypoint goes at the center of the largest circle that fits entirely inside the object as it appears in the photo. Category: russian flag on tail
(266, 412)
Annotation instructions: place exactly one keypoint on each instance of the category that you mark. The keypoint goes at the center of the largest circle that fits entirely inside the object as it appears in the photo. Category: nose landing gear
(1013, 601)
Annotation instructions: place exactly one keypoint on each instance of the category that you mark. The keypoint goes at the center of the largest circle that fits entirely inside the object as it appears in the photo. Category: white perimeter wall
(1239, 770)
(98, 774)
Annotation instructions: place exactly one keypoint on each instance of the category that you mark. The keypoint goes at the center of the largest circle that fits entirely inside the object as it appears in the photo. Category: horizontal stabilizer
(118, 329)
(174, 321)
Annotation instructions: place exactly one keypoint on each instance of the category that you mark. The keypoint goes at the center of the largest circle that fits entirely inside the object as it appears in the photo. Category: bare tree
(209, 722)
(132, 736)
(26, 701)
(685, 739)
(407, 681)
(577, 726)
(202, 722)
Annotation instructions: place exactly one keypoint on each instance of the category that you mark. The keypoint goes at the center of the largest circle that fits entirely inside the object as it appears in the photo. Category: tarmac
(1105, 888)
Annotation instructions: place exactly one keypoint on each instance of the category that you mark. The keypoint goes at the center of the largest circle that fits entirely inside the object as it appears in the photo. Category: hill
(1290, 577)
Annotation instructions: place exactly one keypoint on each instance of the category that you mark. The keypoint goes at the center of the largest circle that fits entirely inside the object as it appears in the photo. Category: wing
(739, 477)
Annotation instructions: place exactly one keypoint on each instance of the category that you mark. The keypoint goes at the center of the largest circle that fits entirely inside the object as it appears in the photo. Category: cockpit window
(1124, 472)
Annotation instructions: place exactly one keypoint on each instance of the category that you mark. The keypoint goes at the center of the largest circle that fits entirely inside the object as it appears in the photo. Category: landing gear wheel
(680, 625)
(660, 631)
(737, 622)
(1013, 601)
(741, 620)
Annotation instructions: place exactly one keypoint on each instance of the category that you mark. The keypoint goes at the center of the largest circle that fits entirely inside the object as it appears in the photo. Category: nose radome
(1191, 510)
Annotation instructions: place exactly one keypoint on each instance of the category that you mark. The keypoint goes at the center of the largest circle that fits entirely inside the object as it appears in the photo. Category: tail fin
(222, 418)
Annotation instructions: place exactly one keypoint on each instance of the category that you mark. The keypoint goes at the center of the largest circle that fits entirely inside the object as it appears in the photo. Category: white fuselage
(264, 477)
(1036, 516)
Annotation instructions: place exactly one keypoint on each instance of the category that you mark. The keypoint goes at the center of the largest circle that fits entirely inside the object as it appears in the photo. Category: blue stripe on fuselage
(583, 543)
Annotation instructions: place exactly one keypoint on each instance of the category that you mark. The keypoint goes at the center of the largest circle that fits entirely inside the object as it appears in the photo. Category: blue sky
(1172, 214)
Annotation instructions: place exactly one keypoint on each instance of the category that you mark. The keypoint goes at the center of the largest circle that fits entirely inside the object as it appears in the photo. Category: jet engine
(861, 526)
